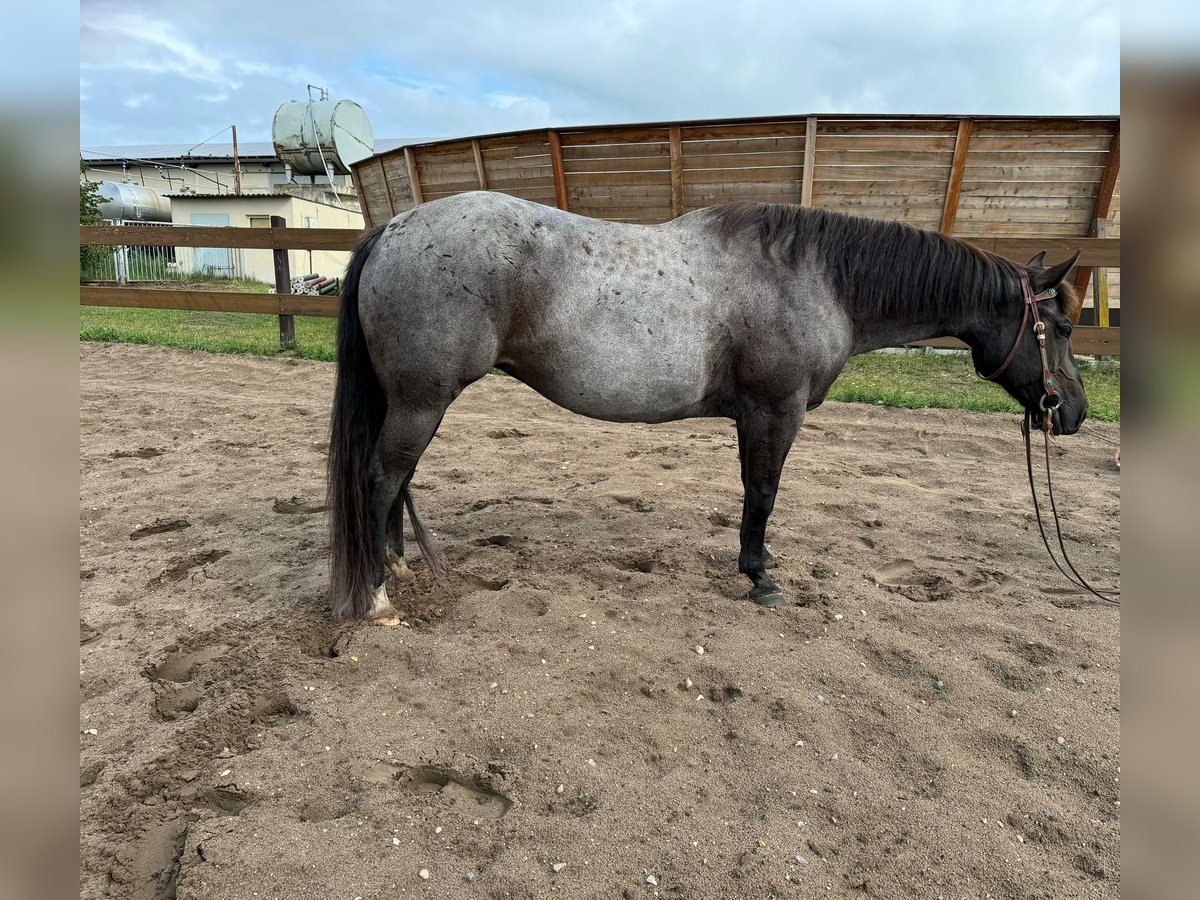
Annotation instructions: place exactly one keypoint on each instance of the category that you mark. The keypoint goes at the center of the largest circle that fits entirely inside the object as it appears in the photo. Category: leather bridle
(1050, 399)
(1049, 402)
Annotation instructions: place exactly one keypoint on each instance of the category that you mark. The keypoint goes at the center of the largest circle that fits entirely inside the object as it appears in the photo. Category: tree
(90, 257)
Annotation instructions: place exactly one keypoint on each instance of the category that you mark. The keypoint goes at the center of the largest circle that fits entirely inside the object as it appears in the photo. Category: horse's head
(1009, 347)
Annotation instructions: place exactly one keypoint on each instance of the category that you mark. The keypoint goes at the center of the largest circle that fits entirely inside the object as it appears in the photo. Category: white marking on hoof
(398, 567)
(381, 607)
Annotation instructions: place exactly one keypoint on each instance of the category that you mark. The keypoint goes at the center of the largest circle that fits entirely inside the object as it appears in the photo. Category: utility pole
(237, 166)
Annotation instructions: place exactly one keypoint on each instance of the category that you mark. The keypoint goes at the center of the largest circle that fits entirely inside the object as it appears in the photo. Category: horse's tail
(359, 408)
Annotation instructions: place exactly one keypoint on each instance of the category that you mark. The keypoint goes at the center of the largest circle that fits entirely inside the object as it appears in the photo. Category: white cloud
(458, 67)
(505, 101)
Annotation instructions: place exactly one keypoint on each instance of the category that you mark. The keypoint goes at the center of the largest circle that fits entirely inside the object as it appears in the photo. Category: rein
(1106, 594)
(1049, 402)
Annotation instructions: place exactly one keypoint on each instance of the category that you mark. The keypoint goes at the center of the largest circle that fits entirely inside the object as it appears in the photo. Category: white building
(205, 187)
(255, 211)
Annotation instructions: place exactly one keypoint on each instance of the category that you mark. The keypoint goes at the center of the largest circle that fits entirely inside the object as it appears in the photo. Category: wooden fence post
(283, 285)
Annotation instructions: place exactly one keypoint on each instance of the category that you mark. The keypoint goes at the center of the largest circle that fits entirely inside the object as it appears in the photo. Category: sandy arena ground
(939, 716)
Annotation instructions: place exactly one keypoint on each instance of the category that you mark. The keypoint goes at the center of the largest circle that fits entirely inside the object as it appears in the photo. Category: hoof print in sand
(159, 526)
(295, 506)
(465, 795)
(647, 565)
(903, 577)
(179, 665)
(476, 583)
(177, 693)
(227, 799)
(277, 709)
(496, 540)
(182, 566)
(140, 453)
(324, 642)
(177, 701)
(640, 504)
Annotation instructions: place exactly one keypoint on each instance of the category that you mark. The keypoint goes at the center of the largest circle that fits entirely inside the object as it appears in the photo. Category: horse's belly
(617, 378)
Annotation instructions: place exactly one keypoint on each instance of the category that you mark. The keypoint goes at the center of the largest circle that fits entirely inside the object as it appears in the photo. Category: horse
(746, 311)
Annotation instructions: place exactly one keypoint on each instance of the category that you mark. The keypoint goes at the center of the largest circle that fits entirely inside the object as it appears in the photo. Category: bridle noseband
(1050, 399)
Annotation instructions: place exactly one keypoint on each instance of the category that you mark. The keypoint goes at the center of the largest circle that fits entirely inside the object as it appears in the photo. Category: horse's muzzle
(1067, 419)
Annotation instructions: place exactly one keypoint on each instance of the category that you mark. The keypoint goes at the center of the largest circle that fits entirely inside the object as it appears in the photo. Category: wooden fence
(1095, 252)
(974, 177)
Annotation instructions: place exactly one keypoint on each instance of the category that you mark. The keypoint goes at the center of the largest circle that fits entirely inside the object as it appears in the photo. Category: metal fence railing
(131, 263)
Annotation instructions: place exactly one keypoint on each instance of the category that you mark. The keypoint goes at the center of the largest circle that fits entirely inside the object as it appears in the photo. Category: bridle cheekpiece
(1050, 399)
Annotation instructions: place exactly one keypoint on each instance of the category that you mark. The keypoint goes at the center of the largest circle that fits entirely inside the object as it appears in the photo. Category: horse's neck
(874, 331)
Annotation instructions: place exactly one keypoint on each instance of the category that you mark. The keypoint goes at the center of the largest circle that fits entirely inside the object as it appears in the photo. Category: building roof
(247, 150)
(189, 195)
(257, 195)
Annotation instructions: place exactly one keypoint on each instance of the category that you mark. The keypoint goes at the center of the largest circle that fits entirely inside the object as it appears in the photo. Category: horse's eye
(1064, 330)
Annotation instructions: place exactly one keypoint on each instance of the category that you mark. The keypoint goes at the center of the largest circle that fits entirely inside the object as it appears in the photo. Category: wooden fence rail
(1090, 340)
(222, 237)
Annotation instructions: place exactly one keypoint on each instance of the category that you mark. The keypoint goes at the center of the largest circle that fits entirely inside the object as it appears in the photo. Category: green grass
(910, 380)
(948, 381)
(213, 331)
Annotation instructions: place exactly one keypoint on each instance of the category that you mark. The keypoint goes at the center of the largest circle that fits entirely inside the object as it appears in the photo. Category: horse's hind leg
(395, 551)
(406, 433)
(765, 439)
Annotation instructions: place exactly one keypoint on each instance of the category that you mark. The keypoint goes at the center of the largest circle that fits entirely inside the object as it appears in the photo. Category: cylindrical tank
(133, 203)
(303, 130)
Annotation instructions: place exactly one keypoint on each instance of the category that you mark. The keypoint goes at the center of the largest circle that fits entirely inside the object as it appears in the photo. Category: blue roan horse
(747, 311)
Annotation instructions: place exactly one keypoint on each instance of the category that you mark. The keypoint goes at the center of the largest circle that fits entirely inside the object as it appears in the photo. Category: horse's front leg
(764, 437)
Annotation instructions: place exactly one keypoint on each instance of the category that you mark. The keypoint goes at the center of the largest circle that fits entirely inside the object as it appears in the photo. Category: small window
(259, 221)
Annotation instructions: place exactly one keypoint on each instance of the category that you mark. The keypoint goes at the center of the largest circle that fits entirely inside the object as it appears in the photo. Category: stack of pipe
(315, 285)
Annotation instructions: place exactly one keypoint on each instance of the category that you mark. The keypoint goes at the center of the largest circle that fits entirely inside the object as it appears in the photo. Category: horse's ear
(1052, 277)
(1038, 262)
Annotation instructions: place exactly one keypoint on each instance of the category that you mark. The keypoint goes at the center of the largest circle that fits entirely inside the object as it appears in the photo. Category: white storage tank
(133, 203)
(304, 131)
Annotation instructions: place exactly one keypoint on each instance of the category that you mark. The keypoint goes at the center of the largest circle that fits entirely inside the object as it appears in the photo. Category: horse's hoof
(399, 567)
(381, 611)
(770, 597)
(385, 621)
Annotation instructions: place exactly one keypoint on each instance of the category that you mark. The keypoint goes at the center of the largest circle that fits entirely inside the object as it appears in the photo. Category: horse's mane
(880, 267)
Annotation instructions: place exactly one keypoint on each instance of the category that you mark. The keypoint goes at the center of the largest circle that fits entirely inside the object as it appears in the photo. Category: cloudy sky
(151, 72)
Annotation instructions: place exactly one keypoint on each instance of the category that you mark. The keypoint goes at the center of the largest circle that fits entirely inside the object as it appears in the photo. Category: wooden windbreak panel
(384, 188)
(1043, 181)
(399, 186)
(1021, 177)
(372, 193)
(519, 166)
(446, 170)
(619, 176)
(723, 164)
(414, 180)
(897, 171)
